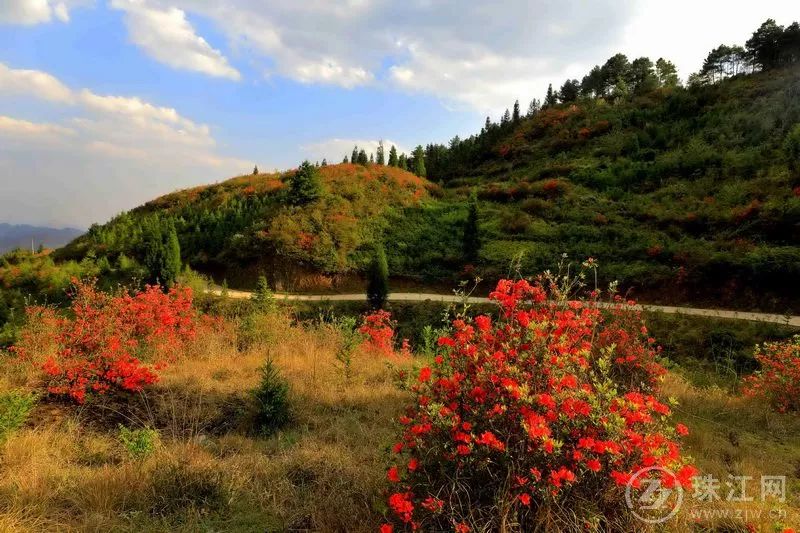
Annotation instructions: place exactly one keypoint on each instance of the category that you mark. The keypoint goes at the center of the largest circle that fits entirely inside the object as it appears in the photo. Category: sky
(105, 104)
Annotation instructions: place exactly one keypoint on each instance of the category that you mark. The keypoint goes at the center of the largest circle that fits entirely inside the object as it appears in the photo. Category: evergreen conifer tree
(471, 243)
(378, 281)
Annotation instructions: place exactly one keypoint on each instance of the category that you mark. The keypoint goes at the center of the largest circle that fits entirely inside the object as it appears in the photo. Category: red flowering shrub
(778, 380)
(540, 417)
(102, 346)
(378, 330)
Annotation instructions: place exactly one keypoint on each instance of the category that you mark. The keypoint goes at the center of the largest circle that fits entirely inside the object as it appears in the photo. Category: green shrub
(263, 299)
(351, 338)
(15, 407)
(271, 400)
(139, 443)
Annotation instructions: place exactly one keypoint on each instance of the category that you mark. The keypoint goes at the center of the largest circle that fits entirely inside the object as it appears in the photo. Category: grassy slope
(684, 195)
(66, 470)
(244, 225)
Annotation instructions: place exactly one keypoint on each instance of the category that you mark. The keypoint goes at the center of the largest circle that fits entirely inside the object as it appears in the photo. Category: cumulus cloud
(29, 12)
(33, 83)
(479, 54)
(335, 149)
(16, 129)
(112, 154)
(166, 35)
(473, 53)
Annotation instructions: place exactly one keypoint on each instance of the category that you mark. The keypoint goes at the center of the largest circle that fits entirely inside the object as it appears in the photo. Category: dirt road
(423, 297)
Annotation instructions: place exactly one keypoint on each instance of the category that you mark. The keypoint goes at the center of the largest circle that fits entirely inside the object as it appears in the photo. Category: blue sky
(105, 104)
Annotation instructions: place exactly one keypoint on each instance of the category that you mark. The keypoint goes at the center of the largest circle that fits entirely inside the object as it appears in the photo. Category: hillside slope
(683, 195)
(686, 195)
(248, 225)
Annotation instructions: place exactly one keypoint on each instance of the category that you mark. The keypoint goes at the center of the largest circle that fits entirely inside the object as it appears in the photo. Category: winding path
(447, 298)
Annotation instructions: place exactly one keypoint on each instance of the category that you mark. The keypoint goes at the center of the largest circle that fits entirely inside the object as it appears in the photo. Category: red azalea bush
(536, 420)
(102, 345)
(778, 380)
(378, 330)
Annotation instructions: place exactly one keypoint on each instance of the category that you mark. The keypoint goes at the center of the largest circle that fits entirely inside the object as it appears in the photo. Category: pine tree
(378, 282)
(534, 107)
(488, 124)
(471, 242)
(161, 252)
(393, 156)
(380, 159)
(667, 73)
(515, 114)
(172, 259)
(371, 159)
(569, 91)
(362, 157)
(152, 250)
(402, 162)
(506, 118)
(345, 160)
(305, 185)
(551, 98)
(354, 156)
(263, 299)
(324, 162)
(255, 170)
(419, 162)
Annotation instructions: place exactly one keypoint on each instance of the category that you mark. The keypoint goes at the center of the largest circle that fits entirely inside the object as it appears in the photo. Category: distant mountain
(21, 235)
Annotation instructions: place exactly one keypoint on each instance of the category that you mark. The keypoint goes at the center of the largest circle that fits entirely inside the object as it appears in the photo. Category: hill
(22, 235)
(249, 225)
(683, 195)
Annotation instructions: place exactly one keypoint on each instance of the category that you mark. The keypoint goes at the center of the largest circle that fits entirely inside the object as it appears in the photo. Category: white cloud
(168, 37)
(335, 149)
(37, 130)
(29, 12)
(476, 54)
(33, 83)
(113, 153)
(479, 54)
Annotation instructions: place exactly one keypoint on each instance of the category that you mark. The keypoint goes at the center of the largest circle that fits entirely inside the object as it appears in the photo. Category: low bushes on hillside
(778, 381)
(542, 416)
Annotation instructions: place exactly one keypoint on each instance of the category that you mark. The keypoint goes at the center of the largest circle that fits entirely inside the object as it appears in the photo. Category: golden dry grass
(67, 471)
(733, 435)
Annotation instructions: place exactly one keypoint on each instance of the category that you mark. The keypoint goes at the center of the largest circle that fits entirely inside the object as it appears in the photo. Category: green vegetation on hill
(290, 226)
(686, 189)
(683, 194)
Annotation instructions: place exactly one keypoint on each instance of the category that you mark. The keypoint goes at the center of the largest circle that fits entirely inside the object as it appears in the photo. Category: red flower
(681, 430)
(392, 475)
(413, 464)
(424, 374)
(525, 498)
(400, 503)
(387, 528)
(488, 438)
(593, 465)
(483, 322)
